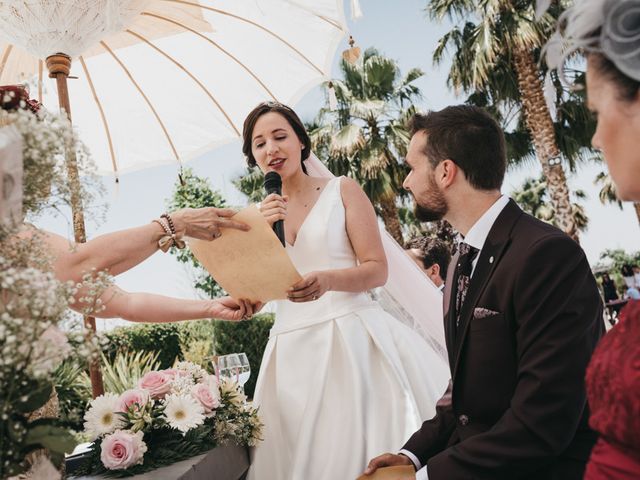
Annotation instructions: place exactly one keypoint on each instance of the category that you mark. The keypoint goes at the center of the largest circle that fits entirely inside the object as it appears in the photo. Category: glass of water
(245, 370)
(235, 366)
(228, 365)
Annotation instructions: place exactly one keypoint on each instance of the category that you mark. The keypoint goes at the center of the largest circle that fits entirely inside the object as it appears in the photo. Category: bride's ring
(315, 297)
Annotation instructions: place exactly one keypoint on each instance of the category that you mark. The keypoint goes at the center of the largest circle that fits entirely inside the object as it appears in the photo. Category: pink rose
(122, 449)
(158, 384)
(207, 394)
(171, 372)
(132, 397)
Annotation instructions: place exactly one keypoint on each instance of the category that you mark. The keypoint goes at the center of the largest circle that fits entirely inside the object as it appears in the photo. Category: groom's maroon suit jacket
(516, 408)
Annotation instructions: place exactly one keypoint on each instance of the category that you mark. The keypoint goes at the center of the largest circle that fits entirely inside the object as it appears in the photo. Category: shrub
(74, 392)
(163, 338)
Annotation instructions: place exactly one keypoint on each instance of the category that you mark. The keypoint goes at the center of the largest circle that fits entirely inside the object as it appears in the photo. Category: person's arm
(363, 232)
(147, 307)
(431, 439)
(558, 320)
(119, 251)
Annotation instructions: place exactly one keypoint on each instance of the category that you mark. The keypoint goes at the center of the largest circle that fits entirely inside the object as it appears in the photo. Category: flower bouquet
(172, 415)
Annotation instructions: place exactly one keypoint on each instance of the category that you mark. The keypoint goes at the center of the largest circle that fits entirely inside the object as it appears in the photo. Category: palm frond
(251, 185)
(367, 109)
(126, 369)
(347, 140)
(608, 192)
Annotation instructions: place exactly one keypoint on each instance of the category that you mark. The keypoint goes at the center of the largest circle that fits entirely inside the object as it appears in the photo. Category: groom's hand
(228, 308)
(387, 460)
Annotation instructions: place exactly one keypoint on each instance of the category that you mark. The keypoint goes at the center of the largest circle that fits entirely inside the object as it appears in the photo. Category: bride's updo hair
(608, 33)
(291, 117)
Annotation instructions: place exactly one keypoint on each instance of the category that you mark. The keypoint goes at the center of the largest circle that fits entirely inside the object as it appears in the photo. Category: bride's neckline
(295, 240)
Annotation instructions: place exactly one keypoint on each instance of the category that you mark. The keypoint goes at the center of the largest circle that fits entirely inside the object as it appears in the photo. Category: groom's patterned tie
(463, 274)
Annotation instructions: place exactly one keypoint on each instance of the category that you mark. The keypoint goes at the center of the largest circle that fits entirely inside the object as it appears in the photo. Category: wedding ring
(315, 297)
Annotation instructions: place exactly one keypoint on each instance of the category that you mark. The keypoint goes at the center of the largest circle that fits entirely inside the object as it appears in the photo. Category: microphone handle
(278, 228)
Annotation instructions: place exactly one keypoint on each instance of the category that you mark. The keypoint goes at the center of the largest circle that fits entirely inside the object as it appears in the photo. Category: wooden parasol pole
(59, 66)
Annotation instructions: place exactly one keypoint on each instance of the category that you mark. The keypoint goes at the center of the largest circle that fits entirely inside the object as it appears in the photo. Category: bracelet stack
(171, 238)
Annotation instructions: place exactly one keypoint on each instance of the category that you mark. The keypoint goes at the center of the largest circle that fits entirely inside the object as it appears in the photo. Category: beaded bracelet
(170, 239)
(172, 227)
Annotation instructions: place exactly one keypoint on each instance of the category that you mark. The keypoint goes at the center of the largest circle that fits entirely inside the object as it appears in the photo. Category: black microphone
(273, 184)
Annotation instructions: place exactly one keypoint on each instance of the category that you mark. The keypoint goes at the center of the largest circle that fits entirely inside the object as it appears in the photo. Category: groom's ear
(446, 173)
(435, 269)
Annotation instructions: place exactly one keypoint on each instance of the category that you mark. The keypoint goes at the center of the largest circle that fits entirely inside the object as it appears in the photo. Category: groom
(522, 317)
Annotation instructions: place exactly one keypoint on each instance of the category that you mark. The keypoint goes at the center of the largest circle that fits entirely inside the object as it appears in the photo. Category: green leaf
(37, 395)
(54, 438)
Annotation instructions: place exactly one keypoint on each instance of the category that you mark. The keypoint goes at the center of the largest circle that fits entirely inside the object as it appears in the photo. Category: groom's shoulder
(531, 233)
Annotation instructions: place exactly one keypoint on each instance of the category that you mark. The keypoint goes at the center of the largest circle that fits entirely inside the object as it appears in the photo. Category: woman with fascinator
(340, 379)
(608, 33)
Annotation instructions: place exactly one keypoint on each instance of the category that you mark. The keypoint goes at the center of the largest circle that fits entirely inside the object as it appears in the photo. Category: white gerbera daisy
(183, 412)
(101, 418)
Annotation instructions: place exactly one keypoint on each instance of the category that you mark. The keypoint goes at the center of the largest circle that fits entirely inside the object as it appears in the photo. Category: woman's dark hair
(627, 87)
(468, 136)
(291, 117)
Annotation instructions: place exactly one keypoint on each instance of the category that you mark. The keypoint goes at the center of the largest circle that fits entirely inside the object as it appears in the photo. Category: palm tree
(532, 197)
(366, 136)
(496, 52)
(608, 193)
(251, 184)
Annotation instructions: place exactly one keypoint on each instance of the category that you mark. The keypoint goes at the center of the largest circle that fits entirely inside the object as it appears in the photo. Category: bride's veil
(408, 295)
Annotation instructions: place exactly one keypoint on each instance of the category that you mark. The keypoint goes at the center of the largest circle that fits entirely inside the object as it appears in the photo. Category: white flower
(183, 412)
(101, 418)
(193, 370)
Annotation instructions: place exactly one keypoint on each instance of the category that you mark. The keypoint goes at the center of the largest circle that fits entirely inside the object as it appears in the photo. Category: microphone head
(272, 182)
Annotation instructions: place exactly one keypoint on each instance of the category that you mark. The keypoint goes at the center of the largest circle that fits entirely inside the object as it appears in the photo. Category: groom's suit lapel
(493, 249)
(449, 313)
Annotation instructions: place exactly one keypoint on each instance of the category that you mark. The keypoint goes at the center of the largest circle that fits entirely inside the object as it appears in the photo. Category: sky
(398, 29)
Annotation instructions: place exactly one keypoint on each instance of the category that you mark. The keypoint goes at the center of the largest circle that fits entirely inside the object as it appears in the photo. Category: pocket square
(480, 312)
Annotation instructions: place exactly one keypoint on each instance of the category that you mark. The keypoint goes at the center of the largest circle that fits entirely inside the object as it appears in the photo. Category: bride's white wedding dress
(341, 381)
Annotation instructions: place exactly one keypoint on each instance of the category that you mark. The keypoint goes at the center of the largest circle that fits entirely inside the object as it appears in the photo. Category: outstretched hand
(205, 223)
(227, 308)
(387, 460)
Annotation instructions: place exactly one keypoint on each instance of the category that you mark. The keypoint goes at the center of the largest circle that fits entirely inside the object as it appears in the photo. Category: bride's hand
(274, 208)
(227, 308)
(312, 286)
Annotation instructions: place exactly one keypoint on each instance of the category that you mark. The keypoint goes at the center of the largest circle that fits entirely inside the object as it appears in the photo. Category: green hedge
(163, 338)
(196, 341)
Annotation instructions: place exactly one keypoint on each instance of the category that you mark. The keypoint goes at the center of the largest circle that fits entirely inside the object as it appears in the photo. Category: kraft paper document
(249, 265)
(403, 472)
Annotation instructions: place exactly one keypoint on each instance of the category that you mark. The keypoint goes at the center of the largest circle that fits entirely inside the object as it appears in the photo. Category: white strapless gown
(341, 381)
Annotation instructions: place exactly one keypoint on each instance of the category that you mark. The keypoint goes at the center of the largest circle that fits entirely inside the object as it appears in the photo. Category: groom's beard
(434, 208)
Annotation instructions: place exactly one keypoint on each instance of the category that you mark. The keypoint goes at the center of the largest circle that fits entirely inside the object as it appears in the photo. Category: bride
(341, 380)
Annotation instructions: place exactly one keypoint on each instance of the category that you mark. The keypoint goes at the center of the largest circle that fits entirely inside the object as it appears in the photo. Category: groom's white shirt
(476, 237)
